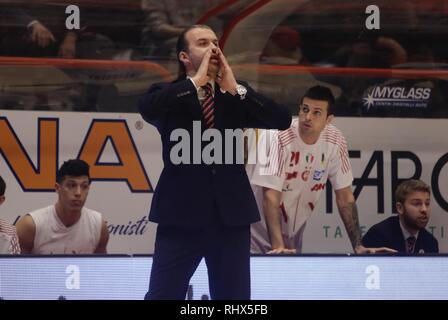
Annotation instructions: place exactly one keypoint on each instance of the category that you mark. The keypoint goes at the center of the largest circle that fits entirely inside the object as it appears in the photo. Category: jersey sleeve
(268, 169)
(15, 247)
(339, 169)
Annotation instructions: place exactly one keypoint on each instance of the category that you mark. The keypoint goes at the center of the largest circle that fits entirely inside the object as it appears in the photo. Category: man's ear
(399, 207)
(183, 56)
(2, 199)
(330, 118)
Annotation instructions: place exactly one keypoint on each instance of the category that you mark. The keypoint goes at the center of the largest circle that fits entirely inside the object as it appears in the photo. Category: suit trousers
(178, 252)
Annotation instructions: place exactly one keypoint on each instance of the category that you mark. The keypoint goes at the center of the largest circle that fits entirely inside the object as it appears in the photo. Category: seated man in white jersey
(66, 227)
(288, 186)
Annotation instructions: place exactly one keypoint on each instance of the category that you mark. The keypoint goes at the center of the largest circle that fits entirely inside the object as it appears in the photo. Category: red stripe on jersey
(335, 136)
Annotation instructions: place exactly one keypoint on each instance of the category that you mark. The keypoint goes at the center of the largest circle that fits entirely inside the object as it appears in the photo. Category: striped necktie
(410, 244)
(208, 106)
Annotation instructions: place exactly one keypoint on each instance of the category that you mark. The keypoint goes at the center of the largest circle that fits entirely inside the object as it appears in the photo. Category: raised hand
(363, 250)
(225, 77)
(67, 49)
(201, 77)
(41, 35)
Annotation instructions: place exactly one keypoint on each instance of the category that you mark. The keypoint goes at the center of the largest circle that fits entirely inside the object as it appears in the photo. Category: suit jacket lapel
(195, 107)
(398, 236)
(193, 104)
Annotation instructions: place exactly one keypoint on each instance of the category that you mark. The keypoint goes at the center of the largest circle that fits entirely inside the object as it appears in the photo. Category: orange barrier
(262, 68)
(365, 72)
(90, 64)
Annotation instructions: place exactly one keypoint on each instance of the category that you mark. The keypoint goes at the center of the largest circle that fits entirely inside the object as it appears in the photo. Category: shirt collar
(211, 81)
(406, 233)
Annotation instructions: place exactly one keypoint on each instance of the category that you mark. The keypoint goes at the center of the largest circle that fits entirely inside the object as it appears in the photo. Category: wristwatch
(241, 91)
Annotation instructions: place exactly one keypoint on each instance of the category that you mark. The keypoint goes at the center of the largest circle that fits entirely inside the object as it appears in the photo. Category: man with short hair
(204, 210)
(288, 187)
(9, 242)
(66, 227)
(406, 232)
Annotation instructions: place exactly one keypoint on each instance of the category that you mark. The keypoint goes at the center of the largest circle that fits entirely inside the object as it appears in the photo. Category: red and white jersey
(9, 242)
(300, 171)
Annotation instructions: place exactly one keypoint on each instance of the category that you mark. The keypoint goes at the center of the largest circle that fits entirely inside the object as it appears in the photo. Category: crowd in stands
(313, 33)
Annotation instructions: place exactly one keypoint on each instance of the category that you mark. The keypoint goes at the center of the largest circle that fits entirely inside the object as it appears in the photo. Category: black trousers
(178, 252)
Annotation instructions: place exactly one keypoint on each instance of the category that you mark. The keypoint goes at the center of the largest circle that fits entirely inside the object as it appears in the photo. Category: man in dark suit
(406, 232)
(204, 209)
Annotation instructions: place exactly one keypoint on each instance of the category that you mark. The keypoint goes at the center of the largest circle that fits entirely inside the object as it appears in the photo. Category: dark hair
(182, 45)
(73, 167)
(2, 186)
(409, 186)
(320, 93)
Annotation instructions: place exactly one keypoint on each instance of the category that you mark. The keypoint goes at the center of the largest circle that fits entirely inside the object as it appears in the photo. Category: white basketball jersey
(53, 237)
(300, 171)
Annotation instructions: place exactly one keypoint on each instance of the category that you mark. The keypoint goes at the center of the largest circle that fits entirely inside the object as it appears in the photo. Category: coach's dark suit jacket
(387, 233)
(190, 194)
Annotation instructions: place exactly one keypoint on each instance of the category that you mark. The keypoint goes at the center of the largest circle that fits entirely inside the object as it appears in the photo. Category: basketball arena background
(393, 115)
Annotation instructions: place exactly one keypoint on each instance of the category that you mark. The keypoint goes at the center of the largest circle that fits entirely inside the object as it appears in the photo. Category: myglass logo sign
(396, 96)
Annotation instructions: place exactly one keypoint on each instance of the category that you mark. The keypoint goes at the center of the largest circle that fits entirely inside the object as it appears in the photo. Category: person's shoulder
(165, 83)
(159, 85)
(40, 211)
(178, 84)
(378, 234)
(385, 224)
(334, 141)
(92, 217)
(332, 133)
(429, 236)
(286, 137)
(389, 221)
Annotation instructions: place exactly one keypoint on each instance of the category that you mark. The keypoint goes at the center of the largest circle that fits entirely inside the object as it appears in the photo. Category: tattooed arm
(349, 214)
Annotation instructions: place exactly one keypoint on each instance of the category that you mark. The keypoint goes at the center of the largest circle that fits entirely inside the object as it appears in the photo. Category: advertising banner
(126, 162)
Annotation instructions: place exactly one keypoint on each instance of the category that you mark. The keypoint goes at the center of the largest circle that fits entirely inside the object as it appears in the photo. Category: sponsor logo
(318, 175)
(394, 96)
(305, 175)
(291, 175)
(318, 186)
